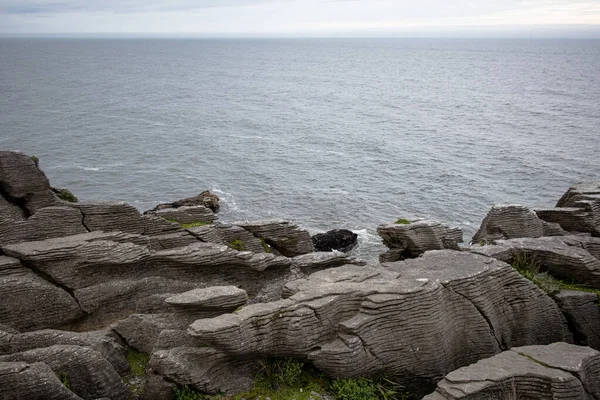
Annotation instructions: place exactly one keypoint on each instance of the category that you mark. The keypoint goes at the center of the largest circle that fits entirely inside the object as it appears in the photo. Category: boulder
(23, 184)
(337, 239)
(405, 320)
(513, 221)
(89, 375)
(583, 191)
(206, 199)
(555, 371)
(30, 302)
(286, 238)
(36, 381)
(412, 240)
(582, 312)
(561, 260)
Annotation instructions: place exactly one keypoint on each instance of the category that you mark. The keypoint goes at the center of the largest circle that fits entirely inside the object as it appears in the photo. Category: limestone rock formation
(337, 239)
(562, 256)
(36, 381)
(578, 210)
(556, 371)
(583, 315)
(283, 236)
(400, 320)
(30, 302)
(104, 342)
(23, 184)
(514, 221)
(414, 239)
(89, 374)
(206, 199)
(186, 214)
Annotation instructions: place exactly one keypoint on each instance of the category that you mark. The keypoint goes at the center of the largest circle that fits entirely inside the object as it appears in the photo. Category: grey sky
(297, 17)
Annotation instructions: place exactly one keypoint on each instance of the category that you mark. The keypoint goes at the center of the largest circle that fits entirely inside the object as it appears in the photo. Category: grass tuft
(402, 221)
(237, 244)
(195, 224)
(35, 159)
(66, 195)
(266, 246)
(138, 363)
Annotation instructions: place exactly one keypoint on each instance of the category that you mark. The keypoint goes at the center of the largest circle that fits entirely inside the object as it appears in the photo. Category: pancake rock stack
(88, 287)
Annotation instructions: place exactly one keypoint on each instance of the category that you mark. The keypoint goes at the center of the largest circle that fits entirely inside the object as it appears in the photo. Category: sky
(321, 18)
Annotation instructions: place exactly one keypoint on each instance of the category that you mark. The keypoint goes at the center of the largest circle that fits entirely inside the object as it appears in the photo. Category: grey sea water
(328, 133)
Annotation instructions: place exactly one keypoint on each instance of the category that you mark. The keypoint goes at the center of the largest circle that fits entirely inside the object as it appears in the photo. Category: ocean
(328, 133)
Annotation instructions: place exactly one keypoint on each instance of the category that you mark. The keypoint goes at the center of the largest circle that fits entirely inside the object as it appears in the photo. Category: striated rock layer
(415, 320)
(556, 371)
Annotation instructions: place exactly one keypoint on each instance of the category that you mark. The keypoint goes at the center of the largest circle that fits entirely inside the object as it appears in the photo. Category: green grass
(35, 159)
(138, 363)
(529, 267)
(66, 195)
(290, 379)
(186, 226)
(402, 221)
(64, 378)
(237, 244)
(266, 246)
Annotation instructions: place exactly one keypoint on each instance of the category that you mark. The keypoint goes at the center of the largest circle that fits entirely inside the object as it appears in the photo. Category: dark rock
(556, 371)
(338, 239)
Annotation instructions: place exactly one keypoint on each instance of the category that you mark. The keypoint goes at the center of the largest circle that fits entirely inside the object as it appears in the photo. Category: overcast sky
(304, 17)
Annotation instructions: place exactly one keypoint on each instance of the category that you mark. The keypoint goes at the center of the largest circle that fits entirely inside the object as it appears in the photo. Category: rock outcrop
(582, 312)
(400, 320)
(206, 199)
(287, 239)
(337, 239)
(564, 257)
(514, 221)
(556, 371)
(413, 239)
(36, 381)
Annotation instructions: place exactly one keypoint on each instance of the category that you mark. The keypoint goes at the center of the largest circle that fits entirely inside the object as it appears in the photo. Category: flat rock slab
(220, 297)
(416, 319)
(555, 371)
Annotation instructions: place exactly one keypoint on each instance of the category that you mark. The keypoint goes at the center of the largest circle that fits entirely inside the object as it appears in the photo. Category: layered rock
(186, 214)
(88, 374)
(23, 184)
(414, 239)
(31, 302)
(582, 312)
(556, 371)
(104, 342)
(206, 199)
(287, 239)
(337, 239)
(36, 381)
(578, 210)
(401, 320)
(562, 256)
(514, 221)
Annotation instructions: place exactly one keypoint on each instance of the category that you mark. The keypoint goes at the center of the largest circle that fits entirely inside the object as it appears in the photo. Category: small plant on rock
(66, 195)
(35, 159)
(237, 245)
(354, 389)
(402, 221)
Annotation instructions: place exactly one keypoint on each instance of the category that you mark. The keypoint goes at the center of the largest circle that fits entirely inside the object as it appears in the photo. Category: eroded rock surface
(414, 239)
(283, 236)
(563, 257)
(582, 312)
(514, 221)
(556, 371)
(401, 320)
(36, 381)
